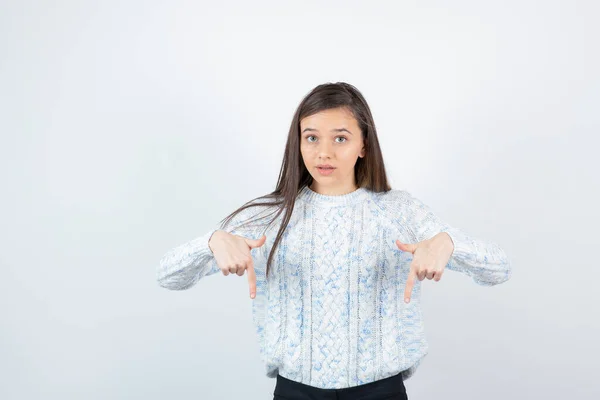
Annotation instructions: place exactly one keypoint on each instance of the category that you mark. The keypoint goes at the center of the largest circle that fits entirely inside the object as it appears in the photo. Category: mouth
(325, 170)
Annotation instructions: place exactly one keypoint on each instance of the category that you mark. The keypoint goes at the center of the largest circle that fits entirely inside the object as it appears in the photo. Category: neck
(332, 191)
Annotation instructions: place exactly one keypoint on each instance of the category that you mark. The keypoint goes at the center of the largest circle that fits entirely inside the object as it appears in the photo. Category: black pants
(391, 388)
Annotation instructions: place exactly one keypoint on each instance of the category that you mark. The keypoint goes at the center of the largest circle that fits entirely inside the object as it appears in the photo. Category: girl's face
(331, 137)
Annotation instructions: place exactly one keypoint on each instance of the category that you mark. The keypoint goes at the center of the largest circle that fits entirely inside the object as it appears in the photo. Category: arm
(181, 267)
(483, 261)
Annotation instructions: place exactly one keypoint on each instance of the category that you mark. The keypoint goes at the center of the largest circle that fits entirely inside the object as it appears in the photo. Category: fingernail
(406, 300)
(252, 295)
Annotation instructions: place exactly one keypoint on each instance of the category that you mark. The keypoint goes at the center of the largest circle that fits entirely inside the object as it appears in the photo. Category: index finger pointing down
(412, 275)
(251, 279)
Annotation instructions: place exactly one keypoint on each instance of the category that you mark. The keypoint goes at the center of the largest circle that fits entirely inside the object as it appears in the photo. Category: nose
(324, 150)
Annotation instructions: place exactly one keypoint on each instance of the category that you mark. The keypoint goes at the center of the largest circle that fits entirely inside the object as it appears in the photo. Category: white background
(130, 127)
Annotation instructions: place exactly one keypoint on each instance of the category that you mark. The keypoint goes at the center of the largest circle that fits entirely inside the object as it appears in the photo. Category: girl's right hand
(232, 254)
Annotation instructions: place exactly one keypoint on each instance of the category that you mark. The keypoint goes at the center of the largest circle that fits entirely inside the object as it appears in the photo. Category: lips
(325, 171)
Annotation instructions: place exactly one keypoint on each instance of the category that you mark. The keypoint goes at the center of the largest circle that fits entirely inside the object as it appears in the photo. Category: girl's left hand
(430, 257)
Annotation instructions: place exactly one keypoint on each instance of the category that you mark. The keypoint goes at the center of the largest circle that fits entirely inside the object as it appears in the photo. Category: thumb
(256, 242)
(406, 246)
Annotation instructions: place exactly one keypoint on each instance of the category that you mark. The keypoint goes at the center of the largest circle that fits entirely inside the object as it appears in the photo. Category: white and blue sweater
(332, 314)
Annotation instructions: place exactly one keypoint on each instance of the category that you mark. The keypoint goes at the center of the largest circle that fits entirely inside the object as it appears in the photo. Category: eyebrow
(333, 130)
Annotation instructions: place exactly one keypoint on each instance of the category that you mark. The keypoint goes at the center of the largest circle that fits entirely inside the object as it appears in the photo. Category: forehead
(335, 118)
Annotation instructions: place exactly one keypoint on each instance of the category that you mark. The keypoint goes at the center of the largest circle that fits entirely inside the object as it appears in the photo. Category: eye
(338, 137)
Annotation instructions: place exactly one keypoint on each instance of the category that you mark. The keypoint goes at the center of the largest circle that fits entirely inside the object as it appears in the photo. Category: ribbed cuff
(462, 244)
(209, 234)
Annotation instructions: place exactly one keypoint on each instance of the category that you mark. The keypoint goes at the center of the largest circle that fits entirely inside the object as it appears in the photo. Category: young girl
(335, 258)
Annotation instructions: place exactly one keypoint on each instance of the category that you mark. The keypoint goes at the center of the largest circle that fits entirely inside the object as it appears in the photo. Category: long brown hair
(369, 170)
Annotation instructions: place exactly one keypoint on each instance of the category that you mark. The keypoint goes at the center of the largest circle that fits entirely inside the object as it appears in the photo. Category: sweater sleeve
(181, 267)
(484, 261)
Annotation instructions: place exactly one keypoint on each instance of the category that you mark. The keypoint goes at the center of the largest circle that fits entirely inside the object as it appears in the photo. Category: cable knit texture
(331, 314)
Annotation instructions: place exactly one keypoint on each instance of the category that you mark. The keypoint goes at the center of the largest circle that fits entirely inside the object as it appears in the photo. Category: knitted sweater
(331, 313)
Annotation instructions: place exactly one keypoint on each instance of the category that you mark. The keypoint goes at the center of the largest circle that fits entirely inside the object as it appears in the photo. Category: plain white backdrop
(130, 127)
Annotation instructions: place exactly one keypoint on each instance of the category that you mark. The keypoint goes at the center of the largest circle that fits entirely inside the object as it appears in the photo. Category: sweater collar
(310, 196)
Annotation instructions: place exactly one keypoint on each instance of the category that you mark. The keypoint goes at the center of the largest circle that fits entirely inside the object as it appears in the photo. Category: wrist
(211, 241)
(444, 241)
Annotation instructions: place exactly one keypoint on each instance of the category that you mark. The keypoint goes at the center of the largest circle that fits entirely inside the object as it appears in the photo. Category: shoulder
(392, 199)
(399, 204)
(267, 201)
(254, 212)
